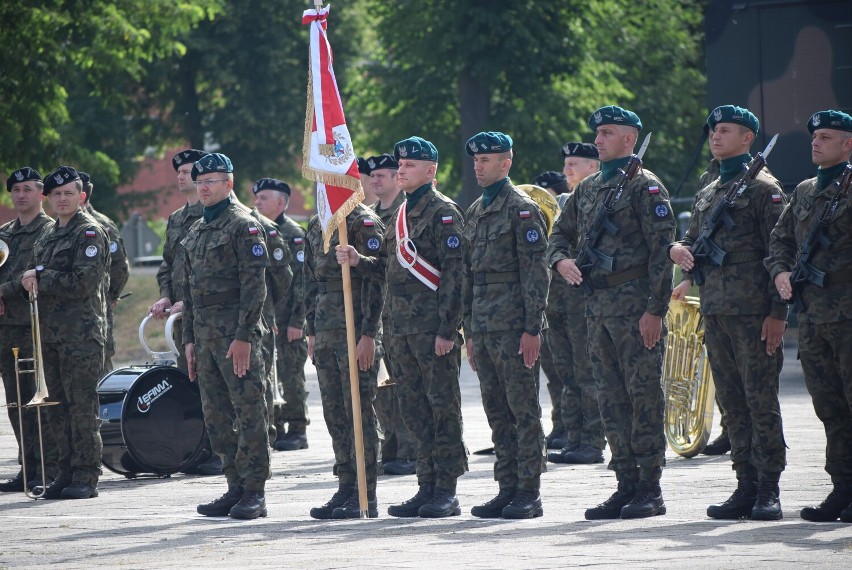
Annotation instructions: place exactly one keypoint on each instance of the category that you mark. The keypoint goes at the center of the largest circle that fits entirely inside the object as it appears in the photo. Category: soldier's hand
(347, 254)
(530, 347)
(772, 333)
(29, 281)
(679, 292)
(443, 346)
(294, 333)
(471, 358)
(158, 309)
(189, 351)
(682, 255)
(366, 353)
(569, 271)
(651, 329)
(240, 353)
(782, 283)
(312, 341)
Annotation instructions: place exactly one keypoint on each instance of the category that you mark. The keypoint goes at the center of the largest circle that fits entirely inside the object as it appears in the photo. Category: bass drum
(151, 420)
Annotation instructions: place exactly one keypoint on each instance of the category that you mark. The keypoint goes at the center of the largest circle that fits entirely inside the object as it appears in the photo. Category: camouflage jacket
(642, 279)
(562, 299)
(170, 276)
(507, 280)
(323, 277)
(225, 263)
(741, 286)
(388, 215)
(291, 310)
(832, 303)
(279, 273)
(21, 240)
(119, 268)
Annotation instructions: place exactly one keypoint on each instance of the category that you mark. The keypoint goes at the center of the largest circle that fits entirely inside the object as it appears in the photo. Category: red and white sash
(406, 254)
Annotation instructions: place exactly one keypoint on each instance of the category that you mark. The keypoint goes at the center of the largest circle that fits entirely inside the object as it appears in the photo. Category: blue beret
(415, 148)
(614, 115)
(214, 162)
(270, 184)
(837, 120)
(61, 176)
(552, 180)
(733, 114)
(579, 149)
(189, 155)
(383, 161)
(491, 142)
(22, 175)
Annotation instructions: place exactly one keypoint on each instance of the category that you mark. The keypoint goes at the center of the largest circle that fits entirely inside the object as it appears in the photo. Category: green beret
(213, 162)
(491, 142)
(415, 148)
(614, 115)
(837, 120)
(733, 114)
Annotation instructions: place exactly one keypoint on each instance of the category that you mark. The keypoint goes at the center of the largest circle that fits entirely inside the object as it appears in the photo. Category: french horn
(4, 252)
(545, 201)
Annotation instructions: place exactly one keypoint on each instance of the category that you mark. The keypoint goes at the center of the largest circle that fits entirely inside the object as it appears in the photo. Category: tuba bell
(4, 252)
(545, 201)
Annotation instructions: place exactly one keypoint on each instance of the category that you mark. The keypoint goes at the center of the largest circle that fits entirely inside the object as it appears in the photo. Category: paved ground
(151, 523)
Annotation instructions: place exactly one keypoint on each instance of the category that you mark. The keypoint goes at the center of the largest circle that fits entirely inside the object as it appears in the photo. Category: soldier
(825, 321)
(744, 317)
(225, 261)
(505, 294)
(327, 348)
(624, 312)
(20, 235)
(423, 315)
(272, 198)
(580, 160)
(67, 266)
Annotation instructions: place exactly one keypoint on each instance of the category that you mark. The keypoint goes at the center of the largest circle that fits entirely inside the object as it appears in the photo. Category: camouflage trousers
(746, 381)
(20, 337)
(109, 347)
(291, 376)
(565, 361)
(510, 398)
(827, 364)
(267, 344)
(72, 376)
(430, 400)
(630, 395)
(399, 441)
(235, 411)
(332, 363)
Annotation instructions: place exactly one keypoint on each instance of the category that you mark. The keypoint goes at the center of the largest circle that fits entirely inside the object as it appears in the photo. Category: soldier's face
(65, 200)
(578, 168)
(830, 147)
(184, 179)
(729, 140)
(413, 174)
(614, 141)
(383, 182)
(489, 168)
(270, 203)
(213, 187)
(26, 197)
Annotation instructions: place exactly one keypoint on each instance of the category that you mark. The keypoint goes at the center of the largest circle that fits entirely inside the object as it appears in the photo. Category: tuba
(545, 201)
(687, 380)
(4, 252)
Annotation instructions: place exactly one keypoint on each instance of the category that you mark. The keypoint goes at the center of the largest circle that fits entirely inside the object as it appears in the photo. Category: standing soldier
(624, 312)
(505, 294)
(20, 235)
(825, 318)
(67, 268)
(225, 261)
(744, 317)
(580, 160)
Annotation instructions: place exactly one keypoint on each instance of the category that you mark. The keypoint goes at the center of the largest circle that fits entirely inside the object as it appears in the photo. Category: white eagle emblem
(598, 117)
(815, 120)
(371, 163)
(717, 115)
(19, 175)
(472, 146)
(178, 159)
(403, 152)
(59, 179)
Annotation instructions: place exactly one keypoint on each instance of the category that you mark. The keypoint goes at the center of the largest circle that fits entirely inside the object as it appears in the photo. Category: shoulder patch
(369, 222)
(253, 231)
(453, 242)
(273, 233)
(257, 250)
(298, 240)
(446, 219)
(661, 210)
(91, 233)
(278, 254)
(524, 214)
(373, 243)
(532, 236)
(113, 247)
(653, 189)
(91, 251)
(300, 256)
(776, 197)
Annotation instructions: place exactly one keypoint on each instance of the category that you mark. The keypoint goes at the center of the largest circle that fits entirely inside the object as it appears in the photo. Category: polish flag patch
(524, 214)
(653, 189)
(369, 223)
(446, 219)
(776, 198)
(253, 231)
(91, 233)
(298, 240)
(273, 233)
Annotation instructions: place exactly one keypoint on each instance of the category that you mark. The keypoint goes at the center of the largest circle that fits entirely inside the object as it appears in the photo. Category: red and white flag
(328, 156)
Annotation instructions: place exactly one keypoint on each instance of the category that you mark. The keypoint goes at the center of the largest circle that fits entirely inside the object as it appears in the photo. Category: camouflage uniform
(627, 374)
(326, 320)
(735, 299)
(505, 294)
(225, 262)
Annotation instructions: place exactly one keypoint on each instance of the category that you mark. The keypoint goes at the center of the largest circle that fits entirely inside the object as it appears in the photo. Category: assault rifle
(804, 272)
(590, 257)
(707, 251)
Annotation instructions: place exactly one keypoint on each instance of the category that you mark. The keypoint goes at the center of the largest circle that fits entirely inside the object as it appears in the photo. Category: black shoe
(556, 439)
(846, 514)
(524, 505)
(583, 455)
(611, 508)
(559, 456)
(338, 499)
(411, 507)
(767, 506)
(36, 482)
(493, 509)
(399, 467)
(719, 446)
(251, 506)
(79, 491)
(53, 490)
(443, 503)
(15, 484)
(739, 504)
(292, 441)
(351, 509)
(829, 510)
(221, 507)
(647, 502)
(212, 466)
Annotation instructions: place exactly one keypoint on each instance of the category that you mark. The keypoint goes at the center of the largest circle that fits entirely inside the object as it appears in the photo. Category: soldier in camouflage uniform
(825, 324)
(505, 294)
(624, 312)
(66, 272)
(579, 161)
(21, 234)
(327, 348)
(225, 260)
(744, 317)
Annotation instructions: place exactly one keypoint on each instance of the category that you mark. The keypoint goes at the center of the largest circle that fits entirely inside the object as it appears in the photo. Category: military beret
(213, 162)
(614, 115)
(415, 148)
(382, 162)
(187, 156)
(490, 142)
(63, 175)
(22, 175)
(362, 165)
(270, 184)
(580, 150)
(552, 180)
(733, 114)
(837, 120)
(84, 176)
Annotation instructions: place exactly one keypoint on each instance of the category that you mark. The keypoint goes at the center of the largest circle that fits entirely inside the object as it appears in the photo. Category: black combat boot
(493, 509)
(767, 506)
(443, 503)
(411, 507)
(53, 490)
(829, 510)
(611, 508)
(846, 514)
(221, 507)
(556, 439)
(212, 466)
(79, 490)
(647, 502)
(524, 505)
(251, 506)
(351, 509)
(15, 484)
(719, 446)
(339, 498)
(559, 456)
(295, 439)
(739, 504)
(583, 455)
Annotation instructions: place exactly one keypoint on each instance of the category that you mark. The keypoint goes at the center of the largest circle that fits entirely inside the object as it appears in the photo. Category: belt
(407, 289)
(736, 257)
(218, 298)
(334, 286)
(491, 278)
(838, 277)
(618, 278)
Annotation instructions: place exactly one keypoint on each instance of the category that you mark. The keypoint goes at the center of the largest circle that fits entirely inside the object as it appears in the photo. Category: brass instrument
(687, 380)
(545, 202)
(4, 252)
